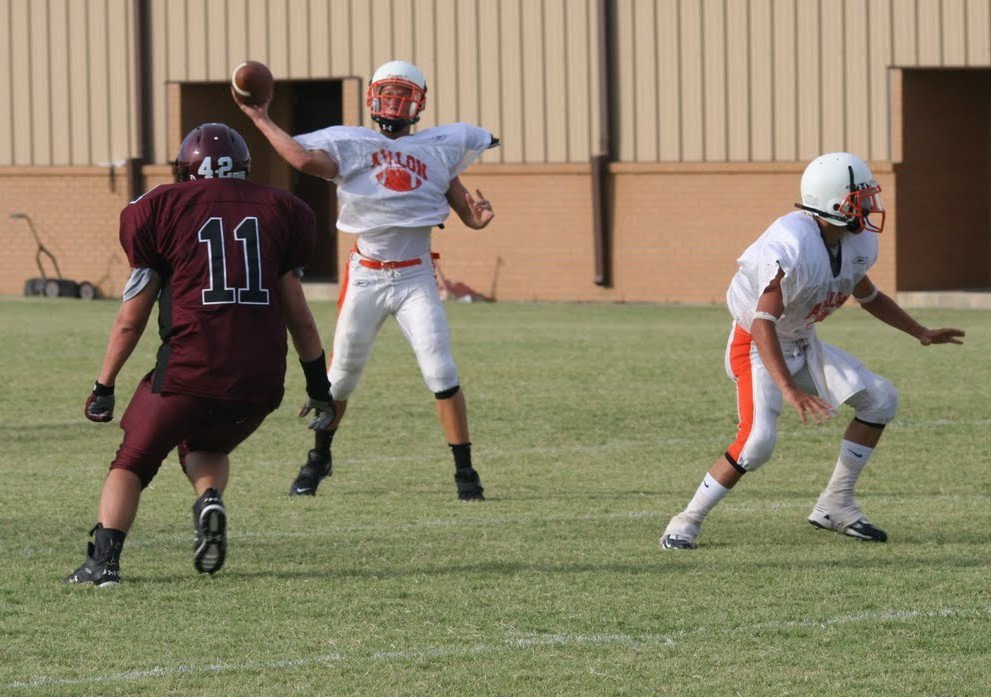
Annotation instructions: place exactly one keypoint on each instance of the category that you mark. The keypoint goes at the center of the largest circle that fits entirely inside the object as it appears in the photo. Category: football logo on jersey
(821, 311)
(397, 171)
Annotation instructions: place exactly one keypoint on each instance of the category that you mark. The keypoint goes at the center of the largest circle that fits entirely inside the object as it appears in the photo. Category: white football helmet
(839, 188)
(396, 96)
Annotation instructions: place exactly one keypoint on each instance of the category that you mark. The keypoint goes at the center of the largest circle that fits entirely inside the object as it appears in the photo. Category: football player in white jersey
(805, 266)
(393, 186)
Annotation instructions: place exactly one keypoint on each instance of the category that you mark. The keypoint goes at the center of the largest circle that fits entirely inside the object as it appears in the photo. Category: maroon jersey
(220, 247)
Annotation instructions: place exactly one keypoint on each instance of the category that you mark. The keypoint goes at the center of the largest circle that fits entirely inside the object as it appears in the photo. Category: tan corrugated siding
(669, 80)
(760, 82)
(6, 105)
(61, 108)
(978, 26)
(21, 83)
(696, 80)
(880, 103)
(784, 80)
(692, 78)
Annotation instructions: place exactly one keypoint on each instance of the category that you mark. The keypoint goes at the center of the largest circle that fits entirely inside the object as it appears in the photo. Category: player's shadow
(654, 562)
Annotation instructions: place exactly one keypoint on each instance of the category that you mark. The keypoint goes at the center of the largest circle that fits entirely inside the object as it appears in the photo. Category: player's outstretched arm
(474, 212)
(315, 162)
(306, 340)
(891, 313)
(298, 318)
(124, 336)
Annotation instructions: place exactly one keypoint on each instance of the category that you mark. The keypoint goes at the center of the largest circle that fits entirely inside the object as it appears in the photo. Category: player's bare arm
(891, 313)
(770, 307)
(315, 162)
(128, 328)
(299, 320)
(474, 212)
(306, 340)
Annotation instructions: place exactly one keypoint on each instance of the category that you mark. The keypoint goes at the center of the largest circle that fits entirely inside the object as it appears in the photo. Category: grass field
(592, 425)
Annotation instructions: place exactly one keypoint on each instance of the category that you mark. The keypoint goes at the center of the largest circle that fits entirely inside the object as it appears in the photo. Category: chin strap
(851, 224)
(393, 125)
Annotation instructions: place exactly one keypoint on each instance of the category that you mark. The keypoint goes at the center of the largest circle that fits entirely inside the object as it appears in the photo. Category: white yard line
(511, 643)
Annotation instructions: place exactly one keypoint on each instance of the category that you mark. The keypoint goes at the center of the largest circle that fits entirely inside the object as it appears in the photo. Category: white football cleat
(846, 520)
(680, 533)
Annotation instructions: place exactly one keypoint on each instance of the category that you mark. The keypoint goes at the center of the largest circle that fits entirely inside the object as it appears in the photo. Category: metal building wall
(696, 80)
(68, 94)
(520, 68)
(778, 80)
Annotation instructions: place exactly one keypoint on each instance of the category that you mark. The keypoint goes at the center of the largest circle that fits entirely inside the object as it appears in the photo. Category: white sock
(709, 493)
(852, 460)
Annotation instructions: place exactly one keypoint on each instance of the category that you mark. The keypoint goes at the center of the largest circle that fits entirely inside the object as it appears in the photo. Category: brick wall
(75, 211)
(677, 229)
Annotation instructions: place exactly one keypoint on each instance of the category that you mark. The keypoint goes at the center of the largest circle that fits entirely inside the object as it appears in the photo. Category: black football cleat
(469, 484)
(311, 474)
(210, 525)
(102, 565)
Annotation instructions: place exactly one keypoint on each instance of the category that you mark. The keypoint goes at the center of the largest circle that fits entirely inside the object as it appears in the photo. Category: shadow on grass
(661, 563)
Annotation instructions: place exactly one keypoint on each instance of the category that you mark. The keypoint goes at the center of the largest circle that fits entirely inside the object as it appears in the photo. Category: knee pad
(144, 467)
(877, 404)
(342, 387)
(757, 450)
(447, 394)
(441, 377)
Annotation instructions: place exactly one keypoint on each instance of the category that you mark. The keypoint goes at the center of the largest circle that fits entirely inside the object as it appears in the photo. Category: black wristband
(317, 384)
(101, 390)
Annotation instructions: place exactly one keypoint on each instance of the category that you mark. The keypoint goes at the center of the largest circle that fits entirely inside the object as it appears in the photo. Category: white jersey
(793, 243)
(386, 185)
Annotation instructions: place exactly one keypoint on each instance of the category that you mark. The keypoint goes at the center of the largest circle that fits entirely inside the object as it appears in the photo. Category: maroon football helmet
(212, 150)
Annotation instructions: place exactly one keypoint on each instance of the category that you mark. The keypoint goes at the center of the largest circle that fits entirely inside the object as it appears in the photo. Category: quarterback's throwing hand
(100, 403)
(942, 336)
(324, 416)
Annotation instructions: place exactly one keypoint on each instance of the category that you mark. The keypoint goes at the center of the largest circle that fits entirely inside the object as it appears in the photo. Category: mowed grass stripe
(523, 643)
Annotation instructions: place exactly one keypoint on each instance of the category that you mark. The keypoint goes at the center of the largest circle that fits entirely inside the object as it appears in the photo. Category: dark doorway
(299, 107)
(944, 180)
(316, 105)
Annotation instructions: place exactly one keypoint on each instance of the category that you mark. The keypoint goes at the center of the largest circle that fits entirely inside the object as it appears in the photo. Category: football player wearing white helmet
(394, 186)
(804, 267)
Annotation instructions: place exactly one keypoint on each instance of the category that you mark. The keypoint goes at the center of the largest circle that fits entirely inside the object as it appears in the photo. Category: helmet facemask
(395, 103)
(396, 96)
(861, 204)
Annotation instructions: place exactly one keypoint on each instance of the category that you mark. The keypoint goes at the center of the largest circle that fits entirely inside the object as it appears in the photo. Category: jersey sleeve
(462, 144)
(336, 141)
(137, 235)
(775, 251)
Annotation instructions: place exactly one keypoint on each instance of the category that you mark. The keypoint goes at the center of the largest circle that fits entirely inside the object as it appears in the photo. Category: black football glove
(324, 416)
(317, 384)
(100, 403)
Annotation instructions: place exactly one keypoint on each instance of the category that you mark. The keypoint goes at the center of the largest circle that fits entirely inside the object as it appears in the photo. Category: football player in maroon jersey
(223, 257)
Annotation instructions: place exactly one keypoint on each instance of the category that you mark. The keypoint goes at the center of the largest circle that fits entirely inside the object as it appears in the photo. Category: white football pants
(818, 368)
(369, 297)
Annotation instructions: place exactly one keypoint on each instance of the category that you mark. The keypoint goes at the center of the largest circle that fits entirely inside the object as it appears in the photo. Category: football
(252, 83)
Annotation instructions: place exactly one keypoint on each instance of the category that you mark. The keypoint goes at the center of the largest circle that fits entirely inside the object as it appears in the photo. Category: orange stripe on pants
(739, 360)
